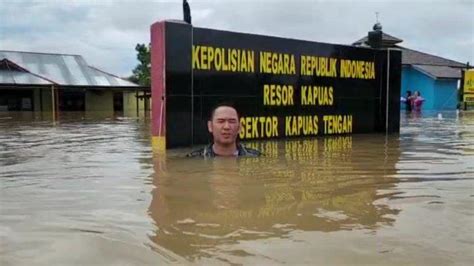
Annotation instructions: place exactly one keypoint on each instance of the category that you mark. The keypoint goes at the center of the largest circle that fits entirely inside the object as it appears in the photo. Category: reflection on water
(93, 185)
(312, 185)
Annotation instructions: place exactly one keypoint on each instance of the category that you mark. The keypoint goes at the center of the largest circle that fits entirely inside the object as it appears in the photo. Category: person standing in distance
(418, 101)
(224, 126)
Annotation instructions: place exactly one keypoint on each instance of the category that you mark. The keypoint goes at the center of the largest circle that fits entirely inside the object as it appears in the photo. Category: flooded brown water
(90, 191)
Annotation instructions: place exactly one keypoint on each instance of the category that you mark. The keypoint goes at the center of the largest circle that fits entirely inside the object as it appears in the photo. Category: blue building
(435, 77)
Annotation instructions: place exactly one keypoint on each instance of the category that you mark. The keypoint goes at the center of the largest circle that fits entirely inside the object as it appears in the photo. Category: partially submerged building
(45, 82)
(435, 77)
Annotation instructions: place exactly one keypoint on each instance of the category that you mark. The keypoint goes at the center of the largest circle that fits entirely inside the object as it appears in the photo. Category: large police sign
(281, 87)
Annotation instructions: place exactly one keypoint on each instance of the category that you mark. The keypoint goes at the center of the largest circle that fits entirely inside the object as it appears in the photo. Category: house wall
(446, 94)
(439, 94)
(414, 80)
(95, 101)
(38, 101)
(406, 79)
(42, 99)
(130, 104)
(99, 101)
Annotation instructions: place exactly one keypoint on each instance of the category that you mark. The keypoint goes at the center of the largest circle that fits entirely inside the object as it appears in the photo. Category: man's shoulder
(208, 152)
(196, 153)
(202, 152)
(244, 151)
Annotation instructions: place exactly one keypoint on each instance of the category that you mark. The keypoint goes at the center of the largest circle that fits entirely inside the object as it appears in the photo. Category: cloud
(106, 32)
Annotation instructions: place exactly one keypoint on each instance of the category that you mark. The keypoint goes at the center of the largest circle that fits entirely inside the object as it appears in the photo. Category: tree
(141, 73)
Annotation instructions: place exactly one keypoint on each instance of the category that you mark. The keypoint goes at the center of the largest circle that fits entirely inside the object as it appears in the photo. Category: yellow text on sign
(279, 95)
(316, 95)
(357, 69)
(318, 66)
(337, 124)
(469, 81)
(469, 98)
(258, 127)
(223, 59)
(277, 63)
(301, 125)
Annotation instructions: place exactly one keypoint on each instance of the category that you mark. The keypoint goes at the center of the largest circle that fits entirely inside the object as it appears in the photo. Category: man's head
(224, 124)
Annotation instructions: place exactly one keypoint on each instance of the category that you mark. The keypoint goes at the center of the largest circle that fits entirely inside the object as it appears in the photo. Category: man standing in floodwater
(224, 127)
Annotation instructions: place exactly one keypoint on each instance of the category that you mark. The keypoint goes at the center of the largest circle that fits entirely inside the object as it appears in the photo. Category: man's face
(224, 126)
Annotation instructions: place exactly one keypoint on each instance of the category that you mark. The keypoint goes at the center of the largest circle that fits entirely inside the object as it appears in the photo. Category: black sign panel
(281, 87)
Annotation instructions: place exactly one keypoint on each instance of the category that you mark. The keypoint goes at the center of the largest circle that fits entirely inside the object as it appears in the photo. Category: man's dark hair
(222, 104)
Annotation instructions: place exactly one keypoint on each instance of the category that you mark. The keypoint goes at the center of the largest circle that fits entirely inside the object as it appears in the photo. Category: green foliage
(141, 73)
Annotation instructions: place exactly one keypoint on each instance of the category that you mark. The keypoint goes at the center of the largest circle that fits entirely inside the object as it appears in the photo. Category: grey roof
(21, 78)
(434, 66)
(386, 38)
(410, 56)
(64, 69)
(413, 57)
(439, 72)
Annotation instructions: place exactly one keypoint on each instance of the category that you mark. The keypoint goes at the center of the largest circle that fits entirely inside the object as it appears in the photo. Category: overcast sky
(106, 32)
